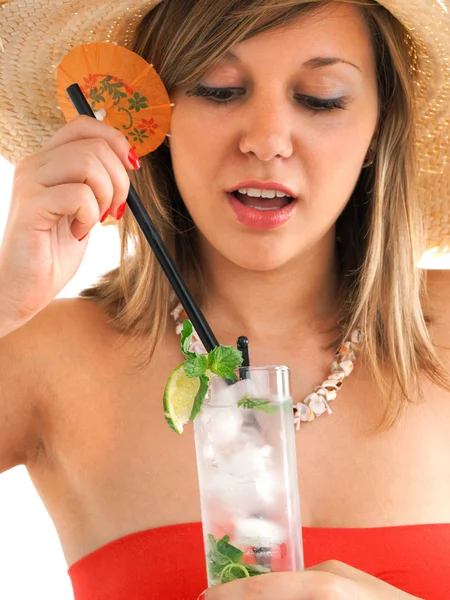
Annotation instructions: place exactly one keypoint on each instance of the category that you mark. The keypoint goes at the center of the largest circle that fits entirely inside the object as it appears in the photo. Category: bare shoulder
(36, 360)
(77, 314)
(70, 337)
(437, 306)
(57, 330)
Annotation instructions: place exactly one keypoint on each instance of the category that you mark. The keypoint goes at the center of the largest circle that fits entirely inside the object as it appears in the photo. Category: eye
(321, 104)
(224, 95)
(219, 95)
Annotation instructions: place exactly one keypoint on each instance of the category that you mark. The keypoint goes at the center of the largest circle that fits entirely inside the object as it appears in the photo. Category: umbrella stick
(192, 309)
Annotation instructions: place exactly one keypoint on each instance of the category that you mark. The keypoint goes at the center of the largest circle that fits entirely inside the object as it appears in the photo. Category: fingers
(85, 153)
(60, 193)
(91, 162)
(73, 200)
(83, 127)
(307, 585)
(354, 581)
(111, 148)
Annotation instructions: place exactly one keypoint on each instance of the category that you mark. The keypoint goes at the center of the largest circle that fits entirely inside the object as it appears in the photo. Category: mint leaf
(221, 553)
(226, 549)
(215, 555)
(216, 561)
(196, 366)
(233, 572)
(186, 337)
(223, 361)
(258, 404)
(254, 570)
(200, 397)
(225, 561)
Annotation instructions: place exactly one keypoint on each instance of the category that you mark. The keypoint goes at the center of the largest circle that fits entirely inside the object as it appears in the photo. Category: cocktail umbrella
(122, 88)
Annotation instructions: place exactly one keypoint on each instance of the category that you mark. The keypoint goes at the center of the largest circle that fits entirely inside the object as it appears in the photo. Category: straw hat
(37, 34)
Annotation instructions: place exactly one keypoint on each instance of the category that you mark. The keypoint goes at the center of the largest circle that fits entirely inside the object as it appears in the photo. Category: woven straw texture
(37, 34)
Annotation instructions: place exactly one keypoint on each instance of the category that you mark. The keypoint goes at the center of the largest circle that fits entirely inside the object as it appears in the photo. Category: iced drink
(247, 467)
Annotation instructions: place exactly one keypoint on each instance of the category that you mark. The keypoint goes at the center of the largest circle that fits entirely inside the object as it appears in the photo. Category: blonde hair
(380, 232)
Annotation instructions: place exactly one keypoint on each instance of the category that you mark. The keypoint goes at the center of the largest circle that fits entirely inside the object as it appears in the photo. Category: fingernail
(121, 210)
(134, 160)
(105, 216)
(202, 596)
(84, 236)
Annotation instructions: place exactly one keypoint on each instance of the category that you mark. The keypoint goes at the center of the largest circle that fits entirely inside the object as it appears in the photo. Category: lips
(265, 218)
(263, 185)
(263, 203)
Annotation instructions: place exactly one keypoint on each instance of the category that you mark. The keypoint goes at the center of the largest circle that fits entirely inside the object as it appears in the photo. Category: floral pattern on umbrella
(122, 89)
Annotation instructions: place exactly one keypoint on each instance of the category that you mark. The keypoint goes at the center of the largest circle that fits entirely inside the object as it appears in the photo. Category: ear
(374, 142)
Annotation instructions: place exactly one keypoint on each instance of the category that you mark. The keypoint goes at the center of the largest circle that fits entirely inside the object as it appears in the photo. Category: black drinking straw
(242, 345)
(192, 309)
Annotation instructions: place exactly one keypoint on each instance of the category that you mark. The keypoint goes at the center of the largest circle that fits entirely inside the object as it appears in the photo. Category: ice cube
(266, 450)
(267, 485)
(208, 451)
(223, 424)
(261, 383)
(250, 460)
(258, 532)
(223, 394)
(239, 498)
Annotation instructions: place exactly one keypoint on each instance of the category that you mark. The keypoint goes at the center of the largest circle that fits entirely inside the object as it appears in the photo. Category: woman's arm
(21, 353)
(331, 580)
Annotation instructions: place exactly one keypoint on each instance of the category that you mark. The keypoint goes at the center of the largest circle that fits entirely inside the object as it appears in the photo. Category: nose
(267, 130)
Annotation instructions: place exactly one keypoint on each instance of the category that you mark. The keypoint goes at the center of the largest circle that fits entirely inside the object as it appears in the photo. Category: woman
(320, 102)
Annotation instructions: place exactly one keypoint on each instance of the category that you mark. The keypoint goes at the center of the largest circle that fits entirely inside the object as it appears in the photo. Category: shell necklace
(316, 403)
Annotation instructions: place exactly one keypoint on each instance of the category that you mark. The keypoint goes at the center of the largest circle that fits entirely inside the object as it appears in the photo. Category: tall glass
(247, 468)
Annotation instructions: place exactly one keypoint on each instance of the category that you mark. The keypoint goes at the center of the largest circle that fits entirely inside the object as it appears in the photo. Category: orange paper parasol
(122, 88)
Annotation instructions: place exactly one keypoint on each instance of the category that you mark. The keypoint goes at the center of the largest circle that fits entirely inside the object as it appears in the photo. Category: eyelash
(221, 96)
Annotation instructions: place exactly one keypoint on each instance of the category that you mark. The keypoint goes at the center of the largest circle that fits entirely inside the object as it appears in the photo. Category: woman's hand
(59, 193)
(331, 580)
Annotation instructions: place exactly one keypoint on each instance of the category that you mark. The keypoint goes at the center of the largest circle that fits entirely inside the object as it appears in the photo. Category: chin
(254, 250)
(260, 259)
(262, 267)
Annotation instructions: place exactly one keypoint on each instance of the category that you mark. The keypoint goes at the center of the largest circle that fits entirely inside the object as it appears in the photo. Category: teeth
(255, 193)
(262, 208)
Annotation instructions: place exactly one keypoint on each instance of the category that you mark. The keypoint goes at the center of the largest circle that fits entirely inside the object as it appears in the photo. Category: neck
(298, 297)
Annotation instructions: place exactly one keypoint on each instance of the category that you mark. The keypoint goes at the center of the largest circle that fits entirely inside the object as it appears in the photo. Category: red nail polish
(134, 160)
(84, 236)
(202, 596)
(121, 210)
(105, 216)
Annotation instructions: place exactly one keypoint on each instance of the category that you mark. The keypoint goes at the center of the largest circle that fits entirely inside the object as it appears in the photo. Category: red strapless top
(168, 563)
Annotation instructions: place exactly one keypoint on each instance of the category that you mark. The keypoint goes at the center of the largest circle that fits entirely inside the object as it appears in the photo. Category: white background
(32, 566)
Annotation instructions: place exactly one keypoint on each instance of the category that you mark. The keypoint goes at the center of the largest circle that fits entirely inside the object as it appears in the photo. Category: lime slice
(232, 572)
(179, 397)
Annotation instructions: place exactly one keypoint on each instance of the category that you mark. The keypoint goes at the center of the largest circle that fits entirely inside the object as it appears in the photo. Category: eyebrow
(313, 63)
(326, 61)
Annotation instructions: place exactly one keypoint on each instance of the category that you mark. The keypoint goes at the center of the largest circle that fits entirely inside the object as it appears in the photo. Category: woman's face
(290, 111)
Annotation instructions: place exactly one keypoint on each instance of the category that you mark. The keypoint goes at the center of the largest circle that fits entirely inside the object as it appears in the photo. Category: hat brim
(37, 38)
